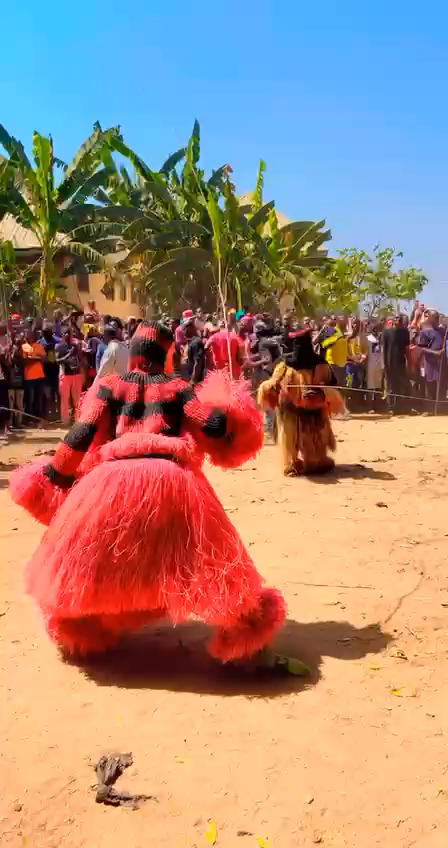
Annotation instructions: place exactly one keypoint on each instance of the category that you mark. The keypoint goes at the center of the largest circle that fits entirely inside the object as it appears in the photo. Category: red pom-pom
(244, 434)
(31, 488)
(252, 631)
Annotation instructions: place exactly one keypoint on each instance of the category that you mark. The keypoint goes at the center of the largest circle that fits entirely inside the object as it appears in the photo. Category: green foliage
(17, 284)
(237, 254)
(257, 196)
(55, 214)
(186, 237)
(356, 279)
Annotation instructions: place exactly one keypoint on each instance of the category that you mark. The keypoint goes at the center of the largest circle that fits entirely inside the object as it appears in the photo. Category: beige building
(113, 295)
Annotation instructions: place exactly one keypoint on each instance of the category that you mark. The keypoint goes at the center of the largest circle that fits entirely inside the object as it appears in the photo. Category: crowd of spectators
(399, 363)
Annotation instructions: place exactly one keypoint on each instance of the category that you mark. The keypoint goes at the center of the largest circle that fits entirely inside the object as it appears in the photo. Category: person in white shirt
(115, 358)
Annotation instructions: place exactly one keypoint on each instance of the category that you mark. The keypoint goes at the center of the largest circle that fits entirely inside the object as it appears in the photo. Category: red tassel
(252, 631)
(31, 488)
(244, 437)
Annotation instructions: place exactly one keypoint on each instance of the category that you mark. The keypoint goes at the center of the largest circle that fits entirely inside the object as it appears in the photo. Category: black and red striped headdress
(149, 346)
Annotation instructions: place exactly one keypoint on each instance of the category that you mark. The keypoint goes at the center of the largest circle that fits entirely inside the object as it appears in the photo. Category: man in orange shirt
(34, 355)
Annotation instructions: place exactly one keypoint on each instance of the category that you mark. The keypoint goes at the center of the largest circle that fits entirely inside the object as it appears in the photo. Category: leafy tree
(356, 280)
(194, 237)
(54, 211)
(9, 274)
(385, 287)
(342, 282)
(185, 236)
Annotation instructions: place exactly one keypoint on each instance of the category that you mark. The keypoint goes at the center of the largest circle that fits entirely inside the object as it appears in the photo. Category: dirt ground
(355, 756)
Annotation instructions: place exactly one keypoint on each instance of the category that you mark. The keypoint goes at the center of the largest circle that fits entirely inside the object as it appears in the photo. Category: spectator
(91, 344)
(200, 321)
(92, 310)
(74, 319)
(89, 321)
(4, 375)
(431, 344)
(33, 354)
(357, 355)
(180, 338)
(49, 341)
(219, 345)
(100, 351)
(288, 326)
(115, 358)
(231, 319)
(16, 391)
(68, 357)
(374, 363)
(57, 324)
(335, 348)
(396, 351)
(193, 364)
(118, 324)
(132, 326)
(265, 352)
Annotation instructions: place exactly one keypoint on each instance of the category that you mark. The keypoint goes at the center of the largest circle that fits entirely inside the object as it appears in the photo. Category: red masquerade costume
(136, 532)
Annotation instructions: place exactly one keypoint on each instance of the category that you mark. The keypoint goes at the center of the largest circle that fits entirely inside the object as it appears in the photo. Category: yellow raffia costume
(303, 401)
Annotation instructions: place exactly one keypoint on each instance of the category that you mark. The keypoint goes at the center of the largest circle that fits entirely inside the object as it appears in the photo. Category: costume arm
(42, 486)
(269, 390)
(224, 420)
(95, 414)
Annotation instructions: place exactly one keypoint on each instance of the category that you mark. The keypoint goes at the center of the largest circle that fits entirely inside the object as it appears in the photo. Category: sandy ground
(356, 756)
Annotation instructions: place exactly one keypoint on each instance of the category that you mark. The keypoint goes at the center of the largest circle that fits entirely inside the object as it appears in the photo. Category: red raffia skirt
(139, 539)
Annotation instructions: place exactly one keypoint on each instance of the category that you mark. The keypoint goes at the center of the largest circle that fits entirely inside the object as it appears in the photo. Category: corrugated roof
(21, 238)
(282, 219)
(24, 239)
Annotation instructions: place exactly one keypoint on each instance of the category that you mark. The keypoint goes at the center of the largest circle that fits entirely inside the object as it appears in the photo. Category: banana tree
(9, 275)
(297, 251)
(188, 238)
(55, 212)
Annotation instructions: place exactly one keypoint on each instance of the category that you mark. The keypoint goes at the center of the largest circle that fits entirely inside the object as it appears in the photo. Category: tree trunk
(46, 283)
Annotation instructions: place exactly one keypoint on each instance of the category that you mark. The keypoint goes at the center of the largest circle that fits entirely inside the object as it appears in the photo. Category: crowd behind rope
(399, 364)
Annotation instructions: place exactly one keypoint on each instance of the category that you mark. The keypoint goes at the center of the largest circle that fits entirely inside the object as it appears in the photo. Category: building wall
(81, 289)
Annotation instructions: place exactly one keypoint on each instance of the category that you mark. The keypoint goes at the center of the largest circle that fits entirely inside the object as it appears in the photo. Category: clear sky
(346, 101)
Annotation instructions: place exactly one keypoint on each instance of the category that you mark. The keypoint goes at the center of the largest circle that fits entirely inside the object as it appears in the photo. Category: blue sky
(346, 101)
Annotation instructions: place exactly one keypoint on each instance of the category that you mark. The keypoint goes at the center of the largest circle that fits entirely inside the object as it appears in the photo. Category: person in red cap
(298, 392)
(136, 533)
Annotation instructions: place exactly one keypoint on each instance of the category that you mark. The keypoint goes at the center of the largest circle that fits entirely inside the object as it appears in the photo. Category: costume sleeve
(269, 390)
(224, 420)
(95, 414)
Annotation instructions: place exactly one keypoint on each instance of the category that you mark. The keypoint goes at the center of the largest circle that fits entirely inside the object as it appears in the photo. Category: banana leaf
(172, 161)
(261, 216)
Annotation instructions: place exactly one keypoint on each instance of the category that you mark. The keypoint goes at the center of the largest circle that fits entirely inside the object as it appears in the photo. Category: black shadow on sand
(176, 659)
(355, 471)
